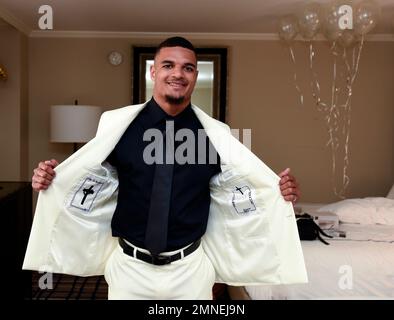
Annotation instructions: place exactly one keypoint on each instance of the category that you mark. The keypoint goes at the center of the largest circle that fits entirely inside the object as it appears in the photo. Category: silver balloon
(332, 36)
(310, 20)
(347, 38)
(288, 27)
(332, 19)
(366, 16)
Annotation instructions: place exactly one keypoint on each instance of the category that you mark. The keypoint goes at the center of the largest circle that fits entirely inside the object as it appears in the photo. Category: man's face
(174, 74)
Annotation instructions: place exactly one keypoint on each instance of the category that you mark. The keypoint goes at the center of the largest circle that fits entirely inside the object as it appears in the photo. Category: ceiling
(178, 16)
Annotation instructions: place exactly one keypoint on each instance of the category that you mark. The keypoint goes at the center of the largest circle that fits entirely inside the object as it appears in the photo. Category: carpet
(66, 287)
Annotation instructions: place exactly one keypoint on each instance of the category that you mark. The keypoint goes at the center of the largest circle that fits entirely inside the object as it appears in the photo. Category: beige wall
(14, 105)
(261, 96)
(63, 70)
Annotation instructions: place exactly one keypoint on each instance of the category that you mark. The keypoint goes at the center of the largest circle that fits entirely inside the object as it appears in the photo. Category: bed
(359, 266)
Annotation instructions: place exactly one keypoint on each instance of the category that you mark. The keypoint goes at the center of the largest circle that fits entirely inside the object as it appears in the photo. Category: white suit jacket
(251, 236)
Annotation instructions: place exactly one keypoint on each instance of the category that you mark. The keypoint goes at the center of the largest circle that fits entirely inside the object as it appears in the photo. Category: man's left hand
(289, 187)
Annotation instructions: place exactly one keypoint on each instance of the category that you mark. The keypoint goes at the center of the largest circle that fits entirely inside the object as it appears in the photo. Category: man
(163, 209)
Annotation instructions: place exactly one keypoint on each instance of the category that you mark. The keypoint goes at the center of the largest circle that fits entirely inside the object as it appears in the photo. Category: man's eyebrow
(166, 62)
(189, 64)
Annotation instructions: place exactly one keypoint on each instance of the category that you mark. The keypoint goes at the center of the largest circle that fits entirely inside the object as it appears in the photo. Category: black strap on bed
(308, 229)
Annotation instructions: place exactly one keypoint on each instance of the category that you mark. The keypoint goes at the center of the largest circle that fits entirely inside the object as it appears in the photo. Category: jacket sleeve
(102, 123)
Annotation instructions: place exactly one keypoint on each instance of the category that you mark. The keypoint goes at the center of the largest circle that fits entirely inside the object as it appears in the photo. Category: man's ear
(152, 72)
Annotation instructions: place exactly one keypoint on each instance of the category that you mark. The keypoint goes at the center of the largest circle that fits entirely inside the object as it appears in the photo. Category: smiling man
(174, 74)
(165, 230)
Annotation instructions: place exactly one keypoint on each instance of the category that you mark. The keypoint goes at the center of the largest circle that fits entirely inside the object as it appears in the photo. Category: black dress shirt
(190, 196)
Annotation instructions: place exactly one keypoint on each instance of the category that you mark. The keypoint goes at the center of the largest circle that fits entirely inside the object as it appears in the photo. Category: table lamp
(74, 123)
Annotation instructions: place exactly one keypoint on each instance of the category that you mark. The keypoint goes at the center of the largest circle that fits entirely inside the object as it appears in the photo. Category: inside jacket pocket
(91, 191)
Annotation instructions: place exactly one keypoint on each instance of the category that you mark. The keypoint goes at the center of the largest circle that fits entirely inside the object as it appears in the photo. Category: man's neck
(171, 109)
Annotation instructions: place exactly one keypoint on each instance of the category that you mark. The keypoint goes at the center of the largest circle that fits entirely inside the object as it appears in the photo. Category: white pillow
(390, 195)
(371, 210)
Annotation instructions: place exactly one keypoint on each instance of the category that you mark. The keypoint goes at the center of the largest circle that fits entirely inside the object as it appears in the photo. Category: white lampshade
(74, 123)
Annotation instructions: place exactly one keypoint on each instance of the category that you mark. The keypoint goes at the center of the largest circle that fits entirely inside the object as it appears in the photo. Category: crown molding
(388, 37)
(15, 22)
(374, 37)
(193, 36)
(152, 35)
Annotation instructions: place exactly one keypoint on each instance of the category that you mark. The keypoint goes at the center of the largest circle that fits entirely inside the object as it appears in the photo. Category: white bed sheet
(361, 266)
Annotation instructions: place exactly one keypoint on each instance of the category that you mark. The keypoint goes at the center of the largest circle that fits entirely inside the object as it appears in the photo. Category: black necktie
(156, 230)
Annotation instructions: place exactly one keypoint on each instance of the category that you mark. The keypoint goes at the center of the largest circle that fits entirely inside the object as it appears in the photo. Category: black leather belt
(160, 259)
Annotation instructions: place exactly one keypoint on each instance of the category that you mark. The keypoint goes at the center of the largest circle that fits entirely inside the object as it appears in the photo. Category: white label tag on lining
(242, 200)
(86, 194)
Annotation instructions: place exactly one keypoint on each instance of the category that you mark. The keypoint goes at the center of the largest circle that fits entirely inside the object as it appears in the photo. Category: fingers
(44, 170)
(287, 178)
(48, 165)
(289, 191)
(53, 163)
(284, 172)
(289, 187)
(44, 174)
(293, 198)
(291, 194)
(40, 183)
(296, 195)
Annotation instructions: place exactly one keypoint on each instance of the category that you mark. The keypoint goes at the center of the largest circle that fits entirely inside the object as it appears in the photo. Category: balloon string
(337, 116)
(351, 76)
(333, 120)
(346, 178)
(354, 57)
(295, 75)
(358, 58)
(334, 76)
(314, 82)
(346, 125)
(333, 117)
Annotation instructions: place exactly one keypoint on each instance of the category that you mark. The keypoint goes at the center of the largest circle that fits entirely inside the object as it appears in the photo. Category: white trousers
(189, 278)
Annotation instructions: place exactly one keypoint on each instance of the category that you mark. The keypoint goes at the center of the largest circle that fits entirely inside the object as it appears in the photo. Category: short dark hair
(175, 42)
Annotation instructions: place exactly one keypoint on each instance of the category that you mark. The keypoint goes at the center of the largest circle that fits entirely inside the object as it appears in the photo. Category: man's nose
(177, 72)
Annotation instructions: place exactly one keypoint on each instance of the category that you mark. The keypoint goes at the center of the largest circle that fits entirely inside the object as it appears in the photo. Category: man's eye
(189, 69)
(167, 66)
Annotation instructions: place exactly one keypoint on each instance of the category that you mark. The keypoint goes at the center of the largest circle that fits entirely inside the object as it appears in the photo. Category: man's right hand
(43, 175)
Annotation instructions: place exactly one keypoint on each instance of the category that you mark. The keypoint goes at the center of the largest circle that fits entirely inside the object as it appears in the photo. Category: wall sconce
(3, 73)
(74, 123)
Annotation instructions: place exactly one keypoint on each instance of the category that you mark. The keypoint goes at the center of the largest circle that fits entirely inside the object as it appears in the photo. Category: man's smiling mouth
(176, 84)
